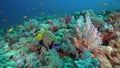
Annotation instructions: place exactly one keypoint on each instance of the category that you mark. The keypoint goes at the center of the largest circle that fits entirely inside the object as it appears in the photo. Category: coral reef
(83, 40)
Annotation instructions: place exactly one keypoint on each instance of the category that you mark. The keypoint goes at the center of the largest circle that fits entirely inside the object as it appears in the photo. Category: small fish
(55, 10)
(1, 12)
(42, 13)
(10, 30)
(43, 0)
(25, 17)
(103, 4)
(28, 10)
(20, 26)
(41, 4)
(33, 9)
(35, 0)
(5, 20)
(5, 17)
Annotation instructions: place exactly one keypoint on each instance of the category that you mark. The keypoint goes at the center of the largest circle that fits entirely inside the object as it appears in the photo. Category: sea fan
(87, 32)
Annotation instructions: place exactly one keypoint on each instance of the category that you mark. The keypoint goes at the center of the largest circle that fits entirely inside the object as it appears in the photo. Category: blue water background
(14, 10)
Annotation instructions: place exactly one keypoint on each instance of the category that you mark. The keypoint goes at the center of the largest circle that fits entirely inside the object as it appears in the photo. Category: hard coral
(114, 17)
